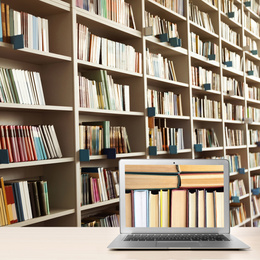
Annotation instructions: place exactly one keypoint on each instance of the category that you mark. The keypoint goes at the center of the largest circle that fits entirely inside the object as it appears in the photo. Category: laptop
(174, 204)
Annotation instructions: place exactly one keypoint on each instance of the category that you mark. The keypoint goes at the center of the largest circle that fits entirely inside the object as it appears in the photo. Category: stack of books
(176, 6)
(250, 66)
(251, 25)
(98, 184)
(34, 29)
(253, 92)
(99, 50)
(237, 215)
(254, 160)
(234, 58)
(99, 91)
(237, 188)
(230, 35)
(29, 143)
(255, 181)
(118, 11)
(23, 200)
(254, 114)
(254, 136)
(228, 6)
(101, 221)
(234, 137)
(256, 205)
(234, 112)
(206, 137)
(234, 162)
(21, 87)
(232, 86)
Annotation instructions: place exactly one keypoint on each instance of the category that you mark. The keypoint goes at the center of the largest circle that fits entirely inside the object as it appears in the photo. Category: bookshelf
(60, 67)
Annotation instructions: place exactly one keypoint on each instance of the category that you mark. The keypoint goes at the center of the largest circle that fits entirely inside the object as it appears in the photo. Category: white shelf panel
(229, 21)
(152, 80)
(254, 169)
(106, 26)
(252, 13)
(118, 156)
(9, 106)
(54, 213)
(229, 71)
(230, 45)
(178, 152)
(199, 59)
(109, 112)
(113, 71)
(244, 196)
(255, 123)
(163, 11)
(243, 223)
(196, 88)
(208, 149)
(30, 55)
(249, 100)
(164, 48)
(252, 146)
(236, 147)
(99, 204)
(207, 119)
(256, 216)
(233, 97)
(205, 6)
(202, 31)
(172, 117)
(250, 34)
(233, 174)
(252, 79)
(250, 56)
(233, 122)
(36, 163)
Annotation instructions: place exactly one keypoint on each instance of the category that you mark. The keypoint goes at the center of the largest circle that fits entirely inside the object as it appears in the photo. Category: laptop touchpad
(177, 244)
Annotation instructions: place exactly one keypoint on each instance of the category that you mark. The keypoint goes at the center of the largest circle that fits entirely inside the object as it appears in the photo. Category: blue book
(37, 146)
(35, 33)
(18, 201)
(43, 152)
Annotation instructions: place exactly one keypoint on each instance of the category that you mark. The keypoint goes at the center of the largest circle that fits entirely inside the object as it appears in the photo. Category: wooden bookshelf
(60, 67)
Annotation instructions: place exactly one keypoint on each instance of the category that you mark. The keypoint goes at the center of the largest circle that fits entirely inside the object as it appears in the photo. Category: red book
(96, 190)
(19, 129)
(30, 138)
(27, 144)
(2, 135)
(8, 144)
(11, 204)
(19, 142)
(16, 143)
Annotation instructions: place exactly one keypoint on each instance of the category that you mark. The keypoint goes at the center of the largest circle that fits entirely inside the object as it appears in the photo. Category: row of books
(99, 91)
(98, 184)
(158, 66)
(176, 6)
(229, 7)
(206, 137)
(255, 6)
(101, 221)
(29, 143)
(254, 160)
(250, 43)
(253, 92)
(233, 112)
(201, 76)
(256, 205)
(232, 86)
(234, 162)
(206, 108)
(203, 48)
(21, 87)
(227, 56)
(201, 18)
(254, 136)
(166, 103)
(175, 208)
(234, 137)
(251, 66)
(115, 10)
(34, 29)
(237, 215)
(251, 25)
(162, 137)
(255, 181)
(96, 136)
(237, 188)
(23, 200)
(160, 26)
(230, 35)
(253, 113)
(106, 52)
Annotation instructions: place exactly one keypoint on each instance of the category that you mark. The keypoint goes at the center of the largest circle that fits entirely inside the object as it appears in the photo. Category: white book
(44, 142)
(30, 31)
(55, 140)
(40, 33)
(140, 208)
(39, 88)
(18, 87)
(27, 199)
(29, 89)
(49, 141)
(24, 204)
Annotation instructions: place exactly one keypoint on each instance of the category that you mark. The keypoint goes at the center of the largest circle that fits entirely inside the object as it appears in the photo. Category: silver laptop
(174, 204)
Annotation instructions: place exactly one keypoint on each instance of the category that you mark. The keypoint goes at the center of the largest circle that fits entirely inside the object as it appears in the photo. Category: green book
(10, 75)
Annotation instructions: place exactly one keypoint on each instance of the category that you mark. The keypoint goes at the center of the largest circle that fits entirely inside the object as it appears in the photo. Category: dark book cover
(41, 194)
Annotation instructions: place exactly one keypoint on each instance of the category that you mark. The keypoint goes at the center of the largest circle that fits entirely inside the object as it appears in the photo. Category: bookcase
(60, 67)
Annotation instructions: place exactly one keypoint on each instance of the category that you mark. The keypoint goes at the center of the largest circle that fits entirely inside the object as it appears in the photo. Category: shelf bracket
(17, 41)
(84, 155)
(4, 157)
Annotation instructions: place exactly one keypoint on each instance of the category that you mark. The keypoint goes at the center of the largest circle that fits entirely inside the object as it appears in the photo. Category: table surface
(91, 243)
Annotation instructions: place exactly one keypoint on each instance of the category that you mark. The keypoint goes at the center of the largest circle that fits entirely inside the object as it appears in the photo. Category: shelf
(118, 156)
(205, 6)
(233, 97)
(229, 21)
(250, 34)
(36, 163)
(244, 196)
(253, 101)
(109, 112)
(40, 8)
(57, 213)
(256, 216)
(227, 71)
(207, 119)
(203, 61)
(205, 92)
(250, 56)
(209, 149)
(203, 33)
(231, 46)
(11, 106)
(233, 174)
(252, 79)
(178, 152)
(99, 204)
(155, 81)
(243, 223)
(254, 123)
(164, 12)
(164, 48)
(113, 71)
(252, 13)
(234, 122)
(30, 55)
(252, 146)
(254, 169)
(236, 147)
(106, 27)
(172, 117)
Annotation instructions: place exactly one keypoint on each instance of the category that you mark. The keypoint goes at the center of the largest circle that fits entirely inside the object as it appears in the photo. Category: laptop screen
(174, 195)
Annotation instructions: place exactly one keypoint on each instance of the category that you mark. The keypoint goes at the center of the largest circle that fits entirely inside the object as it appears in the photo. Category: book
(192, 202)
(178, 208)
(219, 202)
(201, 208)
(164, 197)
(153, 209)
(210, 214)
(11, 204)
(6, 210)
(128, 210)
(140, 208)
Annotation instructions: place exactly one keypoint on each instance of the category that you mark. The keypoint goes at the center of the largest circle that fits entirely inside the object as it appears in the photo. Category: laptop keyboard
(176, 237)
